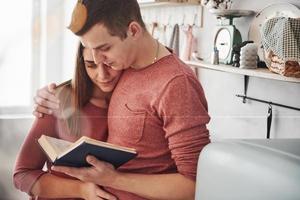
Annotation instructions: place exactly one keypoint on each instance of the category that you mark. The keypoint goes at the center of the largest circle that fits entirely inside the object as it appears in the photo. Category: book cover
(64, 153)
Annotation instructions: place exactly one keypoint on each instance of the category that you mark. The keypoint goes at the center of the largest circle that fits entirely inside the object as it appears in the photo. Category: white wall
(233, 119)
(230, 117)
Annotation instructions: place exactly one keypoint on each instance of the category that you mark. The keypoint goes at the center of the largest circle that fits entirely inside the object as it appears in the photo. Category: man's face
(110, 50)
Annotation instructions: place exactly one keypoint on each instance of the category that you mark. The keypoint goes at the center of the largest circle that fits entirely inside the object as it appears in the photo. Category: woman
(83, 103)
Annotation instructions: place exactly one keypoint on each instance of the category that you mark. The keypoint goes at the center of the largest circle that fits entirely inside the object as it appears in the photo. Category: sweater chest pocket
(135, 120)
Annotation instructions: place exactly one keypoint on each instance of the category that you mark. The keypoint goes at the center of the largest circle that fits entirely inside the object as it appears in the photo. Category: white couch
(252, 169)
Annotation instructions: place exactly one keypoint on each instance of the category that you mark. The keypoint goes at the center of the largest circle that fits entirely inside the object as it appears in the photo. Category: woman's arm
(51, 186)
(31, 158)
(29, 176)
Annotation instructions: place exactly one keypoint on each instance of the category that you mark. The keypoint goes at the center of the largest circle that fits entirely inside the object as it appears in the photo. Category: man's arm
(159, 186)
(51, 186)
(45, 101)
(155, 186)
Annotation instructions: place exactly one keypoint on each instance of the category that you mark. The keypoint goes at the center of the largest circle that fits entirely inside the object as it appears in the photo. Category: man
(158, 106)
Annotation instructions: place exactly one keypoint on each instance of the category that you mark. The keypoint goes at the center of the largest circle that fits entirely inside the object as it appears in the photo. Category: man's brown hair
(115, 15)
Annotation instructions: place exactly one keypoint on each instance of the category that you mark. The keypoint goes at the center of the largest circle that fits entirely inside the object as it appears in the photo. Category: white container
(248, 56)
(215, 56)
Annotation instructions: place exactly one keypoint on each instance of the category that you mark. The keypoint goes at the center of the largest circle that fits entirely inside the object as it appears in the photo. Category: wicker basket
(285, 68)
(281, 42)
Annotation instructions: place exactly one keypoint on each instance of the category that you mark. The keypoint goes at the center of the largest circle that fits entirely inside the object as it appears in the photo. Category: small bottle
(215, 56)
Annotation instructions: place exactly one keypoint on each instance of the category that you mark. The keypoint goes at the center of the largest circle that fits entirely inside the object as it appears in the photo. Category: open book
(65, 153)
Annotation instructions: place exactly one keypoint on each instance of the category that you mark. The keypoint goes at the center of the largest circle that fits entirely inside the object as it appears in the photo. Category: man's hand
(100, 173)
(149, 186)
(45, 101)
(91, 191)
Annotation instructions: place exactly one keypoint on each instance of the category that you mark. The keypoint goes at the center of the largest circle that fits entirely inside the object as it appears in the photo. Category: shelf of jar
(259, 72)
(167, 3)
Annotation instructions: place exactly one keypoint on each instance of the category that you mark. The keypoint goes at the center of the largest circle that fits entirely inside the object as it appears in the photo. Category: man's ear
(134, 30)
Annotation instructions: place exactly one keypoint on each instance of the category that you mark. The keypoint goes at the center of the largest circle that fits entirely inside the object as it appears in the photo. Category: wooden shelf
(158, 4)
(260, 72)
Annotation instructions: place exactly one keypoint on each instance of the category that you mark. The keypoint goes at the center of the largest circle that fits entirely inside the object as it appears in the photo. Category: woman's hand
(91, 191)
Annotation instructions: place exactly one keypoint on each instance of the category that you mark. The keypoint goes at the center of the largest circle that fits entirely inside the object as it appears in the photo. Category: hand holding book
(65, 153)
(100, 173)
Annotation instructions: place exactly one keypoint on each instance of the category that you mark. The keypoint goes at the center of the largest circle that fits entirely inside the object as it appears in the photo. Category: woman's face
(102, 75)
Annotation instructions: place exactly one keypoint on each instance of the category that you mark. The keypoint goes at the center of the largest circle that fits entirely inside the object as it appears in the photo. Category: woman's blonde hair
(75, 94)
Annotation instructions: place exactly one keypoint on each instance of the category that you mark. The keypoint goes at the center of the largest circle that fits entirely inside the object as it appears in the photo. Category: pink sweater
(31, 158)
(161, 111)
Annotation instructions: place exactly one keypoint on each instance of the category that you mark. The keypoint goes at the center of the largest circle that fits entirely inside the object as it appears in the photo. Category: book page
(59, 145)
(106, 144)
(91, 141)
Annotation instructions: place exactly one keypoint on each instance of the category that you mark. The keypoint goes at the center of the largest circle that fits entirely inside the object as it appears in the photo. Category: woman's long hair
(75, 94)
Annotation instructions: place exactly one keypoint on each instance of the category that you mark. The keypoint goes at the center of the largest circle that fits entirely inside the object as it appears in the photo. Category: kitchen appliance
(226, 34)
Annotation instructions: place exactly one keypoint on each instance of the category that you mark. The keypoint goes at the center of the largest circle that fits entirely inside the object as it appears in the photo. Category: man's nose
(98, 57)
(102, 73)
